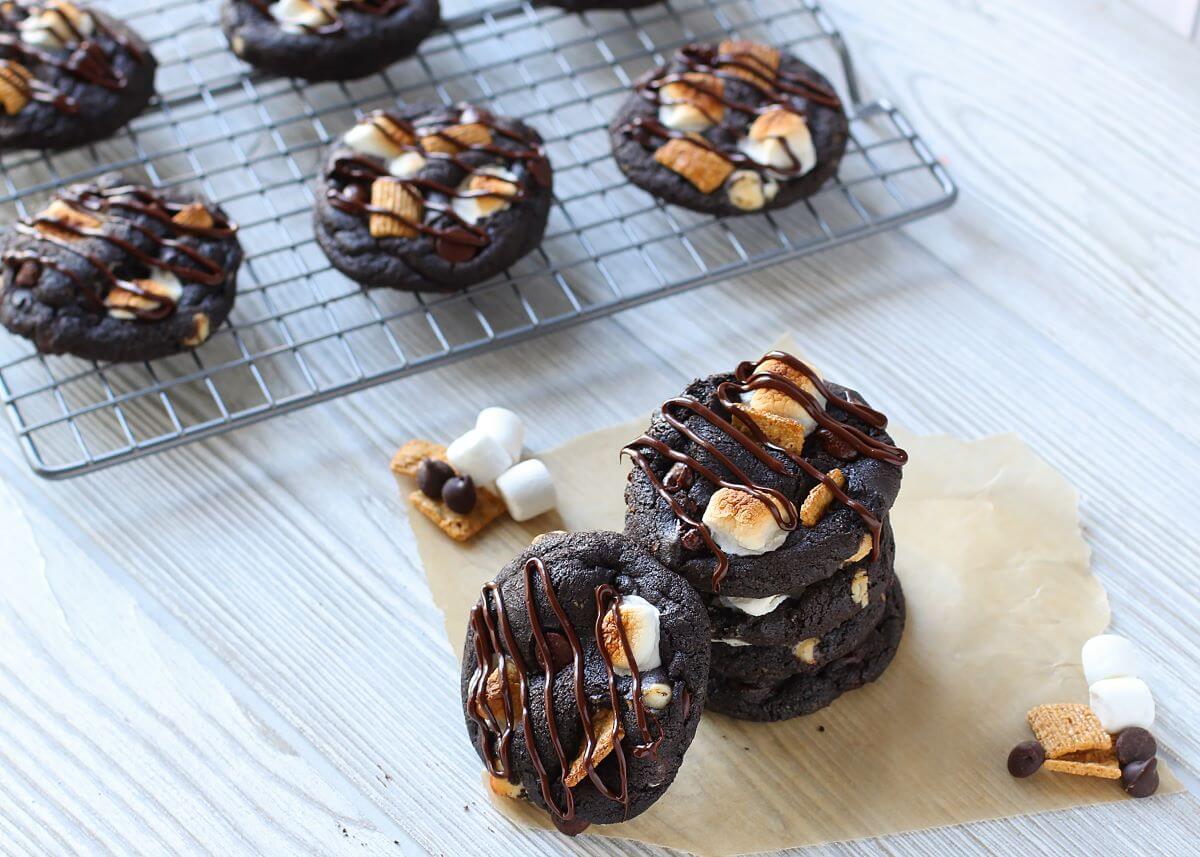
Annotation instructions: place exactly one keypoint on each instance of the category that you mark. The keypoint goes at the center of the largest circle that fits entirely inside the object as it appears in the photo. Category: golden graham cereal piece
(749, 60)
(15, 91)
(784, 432)
(409, 457)
(454, 138)
(776, 123)
(818, 499)
(1067, 727)
(201, 327)
(806, 650)
(194, 215)
(703, 168)
(59, 214)
(602, 723)
(703, 91)
(494, 690)
(860, 588)
(499, 192)
(404, 203)
(864, 548)
(488, 507)
(1087, 763)
(398, 134)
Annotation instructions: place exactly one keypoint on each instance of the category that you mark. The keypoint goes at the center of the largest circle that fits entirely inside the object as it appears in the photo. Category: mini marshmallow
(527, 489)
(366, 139)
(639, 618)
(479, 456)
(49, 29)
(1121, 703)
(1109, 656)
(683, 117)
(781, 139)
(407, 165)
(161, 284)
(752, 606)
(741, 524)
(504, 426)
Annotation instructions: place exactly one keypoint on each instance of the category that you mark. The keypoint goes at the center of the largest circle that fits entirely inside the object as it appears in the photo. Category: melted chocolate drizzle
(87, 59)
(496, 648)
(460, 240)
(779, 88)
(747, 379)
(332, 10)
(111, 203)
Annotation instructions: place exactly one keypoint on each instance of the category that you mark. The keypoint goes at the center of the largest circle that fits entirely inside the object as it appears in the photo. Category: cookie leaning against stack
(584, 676)
(768, 489)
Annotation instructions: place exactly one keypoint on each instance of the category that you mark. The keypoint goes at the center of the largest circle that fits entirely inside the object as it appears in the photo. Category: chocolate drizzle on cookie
(748, 377)
(497, 651)
(458, 240)
(738, 62)
(332, 11)
(96, 205)
(82, 57)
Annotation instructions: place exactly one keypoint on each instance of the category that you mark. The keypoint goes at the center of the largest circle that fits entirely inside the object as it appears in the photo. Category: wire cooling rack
(301, 332)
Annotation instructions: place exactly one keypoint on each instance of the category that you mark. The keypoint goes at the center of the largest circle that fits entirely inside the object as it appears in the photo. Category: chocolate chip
(1135, 744)
(1140, 779)
(356, 192)
(457, 245)
(570, 826)
(560, 652)
(692, 540)
(432, 475)
(27, 275)
(1025, 758)
(836, 445)
(679, 478)
(459, 494)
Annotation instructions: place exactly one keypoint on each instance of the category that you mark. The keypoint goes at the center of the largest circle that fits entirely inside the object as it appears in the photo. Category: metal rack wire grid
(301, 332)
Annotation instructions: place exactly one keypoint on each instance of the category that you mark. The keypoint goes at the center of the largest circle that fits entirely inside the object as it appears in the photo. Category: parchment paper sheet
(1000, 599)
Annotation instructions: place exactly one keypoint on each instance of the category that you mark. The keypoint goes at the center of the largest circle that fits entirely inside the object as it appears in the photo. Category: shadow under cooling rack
(302, 333)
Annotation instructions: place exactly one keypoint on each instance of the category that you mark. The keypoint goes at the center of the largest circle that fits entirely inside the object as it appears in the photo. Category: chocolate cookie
(814, 612)
(730, 129)
(809, 692)
(68, 75)
(117, 271)
(763, 481)
(326, 39)
(432, 198)
(577, 627)
(762, 665)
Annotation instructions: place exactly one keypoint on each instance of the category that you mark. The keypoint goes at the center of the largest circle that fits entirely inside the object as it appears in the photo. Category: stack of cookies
(768, 489)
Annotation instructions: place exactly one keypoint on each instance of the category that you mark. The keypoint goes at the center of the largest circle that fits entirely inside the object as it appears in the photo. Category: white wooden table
(230, 648)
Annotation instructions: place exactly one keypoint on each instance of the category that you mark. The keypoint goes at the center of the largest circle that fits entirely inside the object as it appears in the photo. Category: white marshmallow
(772, 152)
(752, 606)
(741, 524)
(730, 641)
(639, 618)
(527, 489)
(161, 283)
(772, 401)
(1109, 656)
(1121, 703)
(295, 15)
(683, 117)
(479, 456)
(475, 208)
(407, 165)
(505, 426)
(366, 139)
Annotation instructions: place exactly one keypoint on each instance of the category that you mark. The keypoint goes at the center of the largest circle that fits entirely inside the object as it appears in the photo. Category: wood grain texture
(232, 649)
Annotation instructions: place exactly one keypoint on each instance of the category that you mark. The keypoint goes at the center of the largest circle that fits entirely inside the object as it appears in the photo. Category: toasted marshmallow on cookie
(780, 140)
(741, 524)
(58, 24)
(768, 400)
(297, 16)
(639, 619)
(367, 138)
(496, 187)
